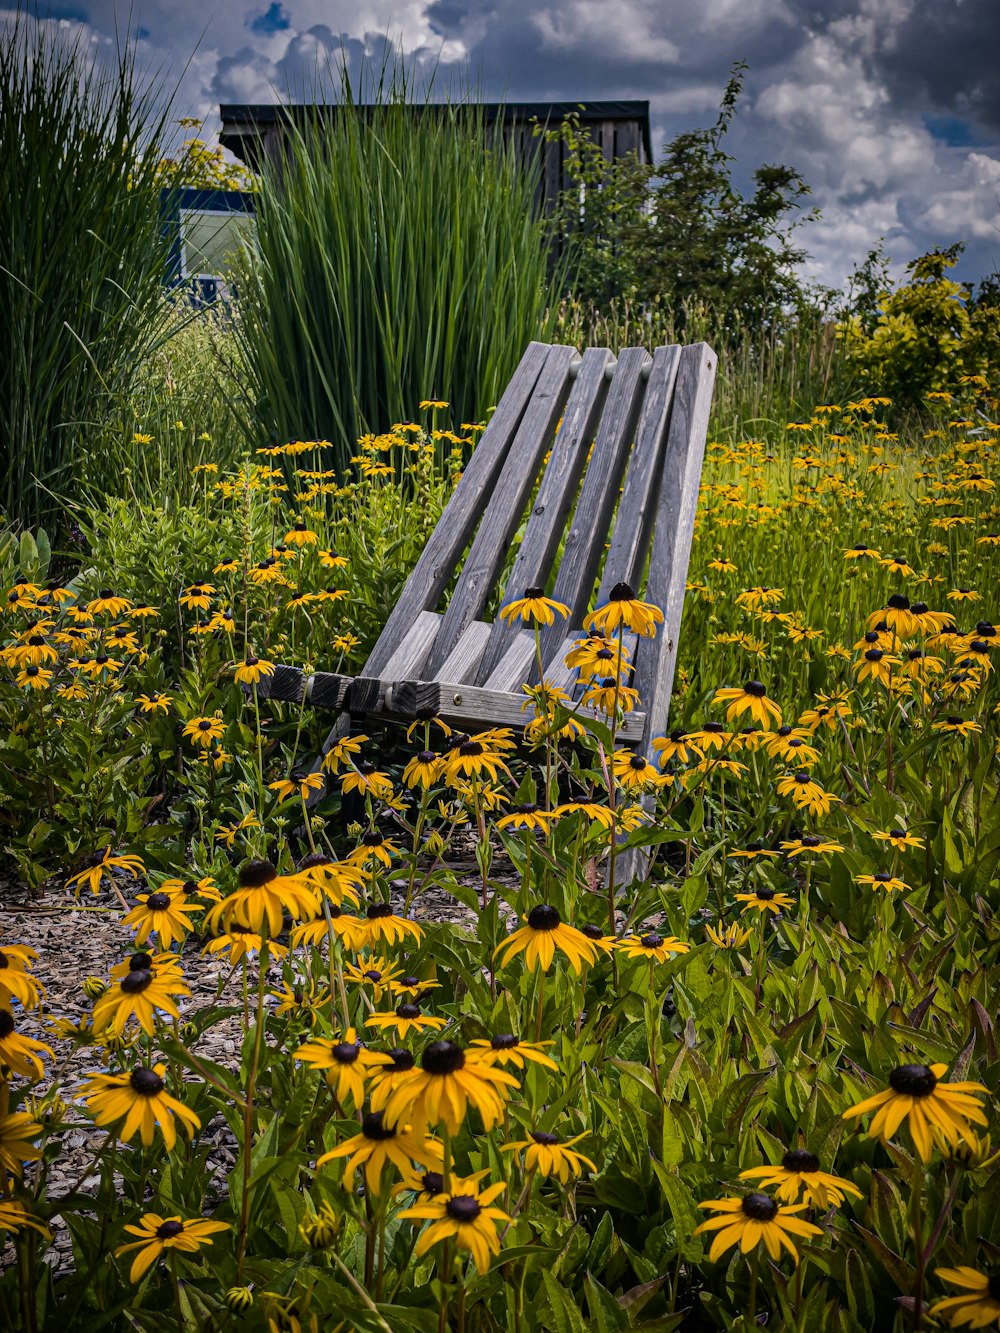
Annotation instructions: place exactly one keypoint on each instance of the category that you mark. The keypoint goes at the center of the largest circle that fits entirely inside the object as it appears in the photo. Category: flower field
(757, 1084)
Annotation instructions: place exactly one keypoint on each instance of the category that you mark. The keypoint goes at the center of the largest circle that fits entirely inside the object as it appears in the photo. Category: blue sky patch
(952, 130)
(274, 19)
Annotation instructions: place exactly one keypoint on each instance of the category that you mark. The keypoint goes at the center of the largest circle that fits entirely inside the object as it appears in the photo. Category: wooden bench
(618, 447)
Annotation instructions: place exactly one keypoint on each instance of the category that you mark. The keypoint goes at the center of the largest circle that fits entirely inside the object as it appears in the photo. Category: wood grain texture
(589, 526)
(462, 663)
(472, 708)
(556, 493)
(633, 523)
(514, 668)
(674, 529)
(506, 505)
(410, 655)
(455, 527)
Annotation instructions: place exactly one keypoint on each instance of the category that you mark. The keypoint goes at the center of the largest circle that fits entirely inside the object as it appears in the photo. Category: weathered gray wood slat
(514, 668)
(674, 530)
(633, 522)
(457, 523)
(462, 663)
(474, 709)
(556, 493)
(486, 555)
(324, 689)
(591, 520)
(410, 655)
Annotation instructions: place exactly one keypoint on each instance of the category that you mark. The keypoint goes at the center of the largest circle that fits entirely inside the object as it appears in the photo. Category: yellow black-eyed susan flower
(528, 815)
(465, 1215)
(297, 784)
(754, 851)
(335, 881)
(608, 695)
(139, 994)
(348, 929)
(154, 703)
(345, 1064)
(252, 670)
(472, 758)
(137, 1103)
(678, 745)
(19, 1054)
(197, 597)
(106, 603)
(882, 880)
(750, 698)
(444, 1085)
(14, 1216)
(811, 843)
(932, 1109)
(423, 770)
(159, 1234)
(731, 936)
(16, 978)
(263, 895)
(861, 552)
(365, 779)
(18, 1132)
(163, 914)
(304, 1001)
(957, 726)
(806, 793)
(979, 1304)
(94, 873)
(373, 847)
(900, 839)
(798, 1175)
(764, 899)
(543, 932)
(404, 1019)
(755, 1218)
(379, 1143)
(507, 1049)
(534, 608)
(654, 947)
(548, 1155)
(624, 609)
(381, 924)
(634, 772)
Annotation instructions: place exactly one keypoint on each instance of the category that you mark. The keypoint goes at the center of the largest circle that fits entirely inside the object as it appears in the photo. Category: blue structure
(201, 227)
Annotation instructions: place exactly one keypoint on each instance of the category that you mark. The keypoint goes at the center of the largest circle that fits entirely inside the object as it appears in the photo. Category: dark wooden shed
(620, 128)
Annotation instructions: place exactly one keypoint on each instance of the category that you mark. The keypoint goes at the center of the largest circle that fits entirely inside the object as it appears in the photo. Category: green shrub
(924, 335)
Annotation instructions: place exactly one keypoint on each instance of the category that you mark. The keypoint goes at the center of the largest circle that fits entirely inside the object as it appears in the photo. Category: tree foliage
(681, 230)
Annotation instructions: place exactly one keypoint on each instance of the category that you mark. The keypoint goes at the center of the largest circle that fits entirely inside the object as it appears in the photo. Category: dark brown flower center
(442, 1058)
(755, 688)
(993, 1287)
(759, 1207)
(462, 1208)
(374, 1127)
(765, 894)
(426, 757)
(543, 1137)
(136, 981)
(377, 911)
(531, 594)
(372, 839)
(543, 917)
(912, 1081)
(6, 1024)
(401, 1061)
(158, 902)
(637, 763)
(651, 941)
(621, 592)
(255, 874)
(504, 1041)
(146, 1082)
(470, 748)
(408, 1011)
(168, 1230)
(898, 602)
(800, 1159)
(432, 1182)
(592, 932)
(346, 1052)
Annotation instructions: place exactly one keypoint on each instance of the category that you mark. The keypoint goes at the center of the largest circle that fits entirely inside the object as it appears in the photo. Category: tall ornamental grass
(81, 255)
(399, 256)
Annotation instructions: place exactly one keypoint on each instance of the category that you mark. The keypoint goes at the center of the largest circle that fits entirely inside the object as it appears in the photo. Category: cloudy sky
(890, 109)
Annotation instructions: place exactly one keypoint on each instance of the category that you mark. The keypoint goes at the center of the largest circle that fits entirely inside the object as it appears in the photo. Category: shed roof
(243, 124)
